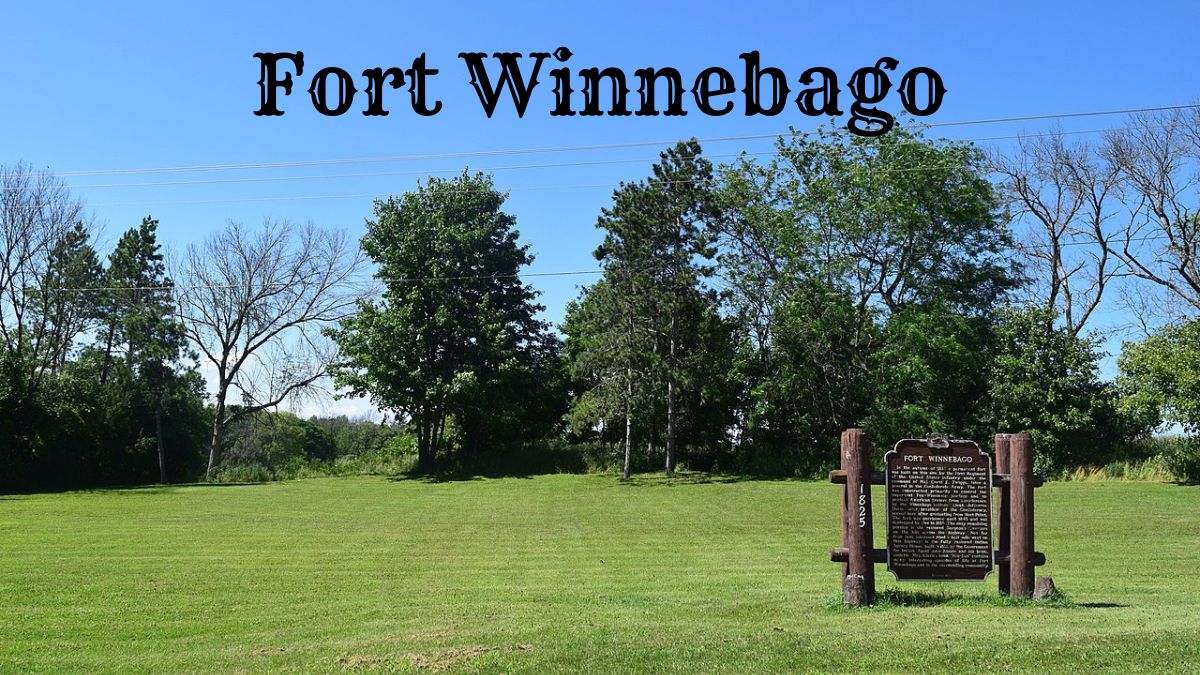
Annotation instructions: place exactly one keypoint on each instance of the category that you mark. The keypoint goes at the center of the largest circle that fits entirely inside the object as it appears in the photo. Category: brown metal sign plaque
(939, 511)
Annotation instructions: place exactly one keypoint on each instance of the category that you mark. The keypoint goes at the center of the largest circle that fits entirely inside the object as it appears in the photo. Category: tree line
(746, 313)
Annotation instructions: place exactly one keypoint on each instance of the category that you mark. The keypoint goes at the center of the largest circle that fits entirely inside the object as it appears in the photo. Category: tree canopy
(453, 344)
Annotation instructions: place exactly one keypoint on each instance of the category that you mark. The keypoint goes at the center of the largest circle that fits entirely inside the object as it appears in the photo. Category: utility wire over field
(406, 280)
(519, 188)
(585, 148)
(493, 169)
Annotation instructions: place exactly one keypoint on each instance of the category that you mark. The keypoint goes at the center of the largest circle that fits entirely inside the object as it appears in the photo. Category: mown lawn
(561, 573)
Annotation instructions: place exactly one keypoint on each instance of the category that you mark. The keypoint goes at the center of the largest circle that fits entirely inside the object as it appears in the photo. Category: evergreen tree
(140, 320)
(629, 335)
(681, 213)
(67, 307)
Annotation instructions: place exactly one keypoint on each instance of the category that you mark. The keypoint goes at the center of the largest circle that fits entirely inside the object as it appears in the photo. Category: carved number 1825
(862, 507)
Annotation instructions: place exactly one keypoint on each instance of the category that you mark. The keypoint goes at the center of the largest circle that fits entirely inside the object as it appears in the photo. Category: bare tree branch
(1156, 160)
(37, 214)
(1064, 194)
(255, 302)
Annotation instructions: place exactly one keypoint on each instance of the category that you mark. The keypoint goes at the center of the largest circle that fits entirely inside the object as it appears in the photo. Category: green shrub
(1182, 459)
(1156, 458)
(1153, 469)
(400, 445)
(250, 472)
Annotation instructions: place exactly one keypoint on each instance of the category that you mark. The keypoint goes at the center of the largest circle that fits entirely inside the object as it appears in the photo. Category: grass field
(562, 573)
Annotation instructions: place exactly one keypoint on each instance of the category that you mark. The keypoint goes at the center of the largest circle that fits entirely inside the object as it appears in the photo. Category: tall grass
(1153, 469)
(1159, 458)
(1156, 459)
(366, 464)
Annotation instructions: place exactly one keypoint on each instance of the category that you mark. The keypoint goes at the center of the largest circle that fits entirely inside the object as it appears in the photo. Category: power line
(931, 167)
(404, 280)
(512, 189)
(551, 165)
(376, 174)
(400, 280)
(581, 148)
(404, 158)
(1088, 113)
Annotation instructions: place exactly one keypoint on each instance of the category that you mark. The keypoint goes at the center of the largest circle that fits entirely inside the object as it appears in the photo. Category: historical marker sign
(939, 511)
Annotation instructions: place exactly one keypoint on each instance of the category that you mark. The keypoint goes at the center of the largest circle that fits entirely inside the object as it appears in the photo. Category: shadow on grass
(895, 597)
(155, 489)
(689, 478)
(458, 474)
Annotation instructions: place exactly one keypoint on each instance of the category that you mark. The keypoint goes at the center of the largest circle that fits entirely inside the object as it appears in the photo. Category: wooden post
(856, 461)
(852, 591)
(1020, 463)
(1002, 538)
(845, 518)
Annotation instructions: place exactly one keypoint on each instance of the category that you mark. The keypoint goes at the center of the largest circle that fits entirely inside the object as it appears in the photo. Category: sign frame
(950, 447)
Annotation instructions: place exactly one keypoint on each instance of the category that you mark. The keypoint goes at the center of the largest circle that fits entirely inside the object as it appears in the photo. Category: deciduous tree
(1156, 160)
(1063, 196)
(254, 302)
(454, 341)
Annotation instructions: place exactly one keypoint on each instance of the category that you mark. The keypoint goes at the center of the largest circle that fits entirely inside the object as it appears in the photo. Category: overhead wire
(493, 169)
(275, 198)
(586, 148)
(493, 153)
(403, 280)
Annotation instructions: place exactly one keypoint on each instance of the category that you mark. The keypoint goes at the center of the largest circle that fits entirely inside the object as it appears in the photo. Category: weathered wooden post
(859, 542)
(1002, 539)
(845, 519)
(853, 591)
(1020, 488)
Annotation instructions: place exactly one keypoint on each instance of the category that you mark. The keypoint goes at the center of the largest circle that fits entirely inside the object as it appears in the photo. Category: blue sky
(104, 86)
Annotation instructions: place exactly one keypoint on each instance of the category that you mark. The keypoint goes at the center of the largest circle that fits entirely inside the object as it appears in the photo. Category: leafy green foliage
(863, 289)
(81, 433)
(279, 446)
(646, 343)
(1044, 380)
(862, 282)
(123, 410)
(1182, 460)
(804, 383)
(1160, 385)
(453, 345)
(279, 439)
(1160, 377)
(929, 375)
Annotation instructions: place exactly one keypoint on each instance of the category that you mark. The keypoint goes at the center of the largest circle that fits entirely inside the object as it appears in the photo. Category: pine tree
(681, 210)
(630, 328)
(140, 319)
(66, 307)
